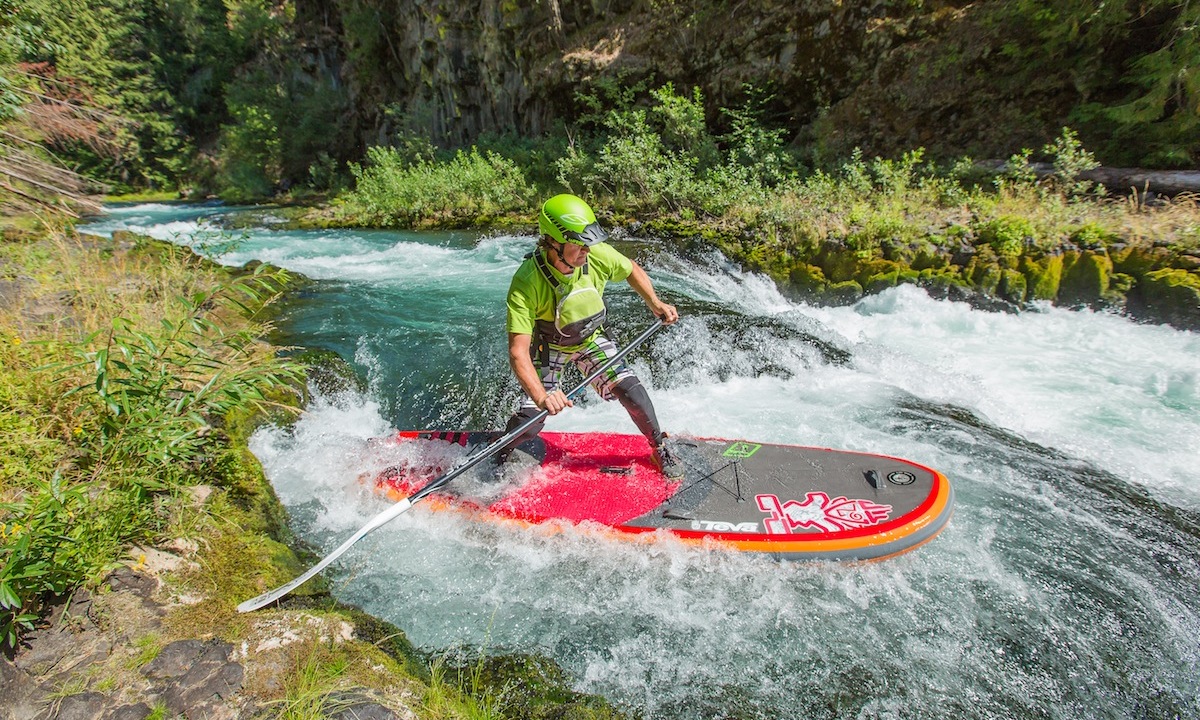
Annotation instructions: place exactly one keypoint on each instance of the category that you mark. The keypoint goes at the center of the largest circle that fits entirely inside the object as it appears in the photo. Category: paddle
(403, 505)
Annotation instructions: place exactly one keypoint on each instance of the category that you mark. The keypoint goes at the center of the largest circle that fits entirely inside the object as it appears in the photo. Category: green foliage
(1070, 161)
(751, 144)
(56, 536)
(535, 156)
(637, 167)
(682, 127)
(1007, 235)
(664, 156)
(1162, 110)
(110, 426)
(392, 191)
(597, 98)
(251, 158)
(1092, 236)
(1018, 172)
(154, 393)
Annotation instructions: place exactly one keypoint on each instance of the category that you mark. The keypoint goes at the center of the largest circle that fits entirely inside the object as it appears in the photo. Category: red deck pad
(570, 487)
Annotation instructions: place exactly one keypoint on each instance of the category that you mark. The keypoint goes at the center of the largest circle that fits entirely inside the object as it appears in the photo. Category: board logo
(820, 513)
(724, 526)
(741, 450)
(899, 477)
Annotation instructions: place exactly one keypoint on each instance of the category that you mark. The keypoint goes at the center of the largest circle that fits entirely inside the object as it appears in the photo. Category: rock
(1085, 279)
(12, 291)
(19, 693)
(200, 676)
(69, 640)
(1170, 295)
(129, 712)
(203, 692)
(356, 706)
(1042, 276)
(1013, 286)
(156, 561)
(127, 580)
(84, 706)
(174, 660)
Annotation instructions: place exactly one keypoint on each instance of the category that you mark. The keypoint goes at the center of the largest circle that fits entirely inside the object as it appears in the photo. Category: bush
(1070, 161)
(391, 191)
(1007, 235)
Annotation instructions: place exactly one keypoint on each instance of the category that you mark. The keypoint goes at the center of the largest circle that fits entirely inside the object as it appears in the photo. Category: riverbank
(1006, 239)
(135, 519)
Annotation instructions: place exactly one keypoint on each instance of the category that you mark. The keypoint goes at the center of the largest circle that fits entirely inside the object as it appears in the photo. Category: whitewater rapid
(1063, 586)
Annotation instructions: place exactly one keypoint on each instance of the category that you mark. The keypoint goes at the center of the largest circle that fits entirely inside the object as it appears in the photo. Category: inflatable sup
(793, 502)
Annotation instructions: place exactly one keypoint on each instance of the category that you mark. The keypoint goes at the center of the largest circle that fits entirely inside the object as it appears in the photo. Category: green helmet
(568, 219)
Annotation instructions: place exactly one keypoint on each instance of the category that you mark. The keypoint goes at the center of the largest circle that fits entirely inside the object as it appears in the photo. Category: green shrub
(1092, 236)
(1070, 161)
(1007, 235)
(391, 191)
(156, 392)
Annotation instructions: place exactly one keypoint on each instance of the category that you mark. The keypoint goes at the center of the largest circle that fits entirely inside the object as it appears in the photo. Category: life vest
(579, 309)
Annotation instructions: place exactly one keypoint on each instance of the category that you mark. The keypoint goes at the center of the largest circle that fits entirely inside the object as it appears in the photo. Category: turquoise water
(1065, 585)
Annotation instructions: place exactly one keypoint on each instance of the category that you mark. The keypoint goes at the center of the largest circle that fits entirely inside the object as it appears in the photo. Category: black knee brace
(637, 403)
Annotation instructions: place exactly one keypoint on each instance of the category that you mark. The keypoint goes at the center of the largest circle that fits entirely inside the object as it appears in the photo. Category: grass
(121, 364)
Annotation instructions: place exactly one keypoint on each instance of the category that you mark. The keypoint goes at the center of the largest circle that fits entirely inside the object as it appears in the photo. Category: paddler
(556, 315)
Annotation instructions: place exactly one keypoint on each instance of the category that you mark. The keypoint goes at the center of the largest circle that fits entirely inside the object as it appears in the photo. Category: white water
(1063, 587)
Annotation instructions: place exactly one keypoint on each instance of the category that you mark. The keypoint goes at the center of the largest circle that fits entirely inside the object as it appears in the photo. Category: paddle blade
(271, 596)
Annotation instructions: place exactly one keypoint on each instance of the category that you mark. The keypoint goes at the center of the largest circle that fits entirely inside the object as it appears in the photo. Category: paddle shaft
(403, 505)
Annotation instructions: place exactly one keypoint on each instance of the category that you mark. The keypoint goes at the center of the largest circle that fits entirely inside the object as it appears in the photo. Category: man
(556, 307)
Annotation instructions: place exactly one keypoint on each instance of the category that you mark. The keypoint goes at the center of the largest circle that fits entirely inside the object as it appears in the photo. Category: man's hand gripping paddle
(402, 506)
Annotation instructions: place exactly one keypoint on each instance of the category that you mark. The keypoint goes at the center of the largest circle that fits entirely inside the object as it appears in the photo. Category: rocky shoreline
(128, 651)
(115, 654)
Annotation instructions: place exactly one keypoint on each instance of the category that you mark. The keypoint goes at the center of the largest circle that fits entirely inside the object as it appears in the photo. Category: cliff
(956, 78)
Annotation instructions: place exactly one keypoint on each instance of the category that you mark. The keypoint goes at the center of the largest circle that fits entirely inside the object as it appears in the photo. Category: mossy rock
(929, 257)
(877, 272)
(1119, 285)
(1137, 260)
(984, 273)
(1012, 286)
(1086, 277)
(1042, 276)
(837, 262)
(889, 278)
(879, 283)
(807, 279)
(939, 281)
(844, 293)
(329, 373)
(532, 686)
(1171, 295)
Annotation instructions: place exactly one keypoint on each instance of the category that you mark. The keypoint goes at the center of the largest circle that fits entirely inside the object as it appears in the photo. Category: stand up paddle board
(794, 502)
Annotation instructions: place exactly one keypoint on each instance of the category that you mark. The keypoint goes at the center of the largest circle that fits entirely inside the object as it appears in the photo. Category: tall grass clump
(119, 371)
(469, 188)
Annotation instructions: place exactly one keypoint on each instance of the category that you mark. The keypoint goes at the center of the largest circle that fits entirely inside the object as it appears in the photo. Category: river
(1065, 586)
